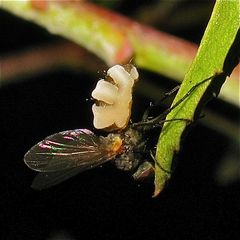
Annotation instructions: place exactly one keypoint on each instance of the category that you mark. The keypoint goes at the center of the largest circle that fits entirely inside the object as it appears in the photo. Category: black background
(104, 202)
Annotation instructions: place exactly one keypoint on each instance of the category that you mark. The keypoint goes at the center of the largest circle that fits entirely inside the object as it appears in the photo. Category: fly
(65, 154)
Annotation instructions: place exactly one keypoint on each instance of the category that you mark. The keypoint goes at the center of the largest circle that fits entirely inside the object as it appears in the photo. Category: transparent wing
(63, 155)
(46, 180)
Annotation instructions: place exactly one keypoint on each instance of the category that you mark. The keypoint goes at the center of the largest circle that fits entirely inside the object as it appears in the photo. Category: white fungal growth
(114, 97)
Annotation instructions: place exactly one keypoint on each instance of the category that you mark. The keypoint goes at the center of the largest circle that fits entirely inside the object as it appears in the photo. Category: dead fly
(65, 154)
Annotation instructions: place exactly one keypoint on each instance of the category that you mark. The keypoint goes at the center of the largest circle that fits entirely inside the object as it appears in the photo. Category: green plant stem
(212, 59)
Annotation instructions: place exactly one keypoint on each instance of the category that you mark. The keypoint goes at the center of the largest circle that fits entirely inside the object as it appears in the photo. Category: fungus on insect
(65, 154)
(112, 109)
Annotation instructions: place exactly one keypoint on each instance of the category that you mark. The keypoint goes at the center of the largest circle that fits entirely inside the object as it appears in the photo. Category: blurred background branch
(112, 37)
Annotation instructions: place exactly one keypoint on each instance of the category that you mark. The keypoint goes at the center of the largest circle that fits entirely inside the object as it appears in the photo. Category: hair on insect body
(65, 154)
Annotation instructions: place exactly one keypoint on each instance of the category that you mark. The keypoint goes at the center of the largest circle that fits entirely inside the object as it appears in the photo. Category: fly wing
(63, 155)
(48, 179)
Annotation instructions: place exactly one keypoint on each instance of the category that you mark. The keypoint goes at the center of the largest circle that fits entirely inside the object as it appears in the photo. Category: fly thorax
(132, 137)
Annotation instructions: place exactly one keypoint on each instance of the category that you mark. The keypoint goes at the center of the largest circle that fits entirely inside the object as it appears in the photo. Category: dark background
(104, 202)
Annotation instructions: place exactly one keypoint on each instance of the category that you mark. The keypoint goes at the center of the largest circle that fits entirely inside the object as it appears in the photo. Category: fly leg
(158, 102)
(159, 165)
(144, 170)
(147, 169)
(158, 121)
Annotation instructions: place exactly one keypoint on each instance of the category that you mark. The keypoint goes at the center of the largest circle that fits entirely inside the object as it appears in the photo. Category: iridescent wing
(65, 154)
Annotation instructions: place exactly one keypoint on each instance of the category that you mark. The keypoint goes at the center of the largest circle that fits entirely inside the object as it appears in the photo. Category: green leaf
(215, 55)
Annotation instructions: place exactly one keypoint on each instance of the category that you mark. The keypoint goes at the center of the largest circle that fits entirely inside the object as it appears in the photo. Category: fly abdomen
(126, 161)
